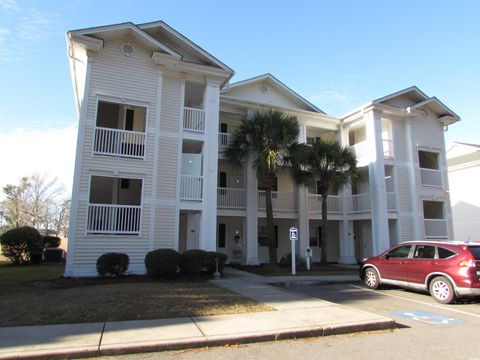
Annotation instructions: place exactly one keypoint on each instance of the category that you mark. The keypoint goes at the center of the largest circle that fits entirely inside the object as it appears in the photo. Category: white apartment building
(155, 113)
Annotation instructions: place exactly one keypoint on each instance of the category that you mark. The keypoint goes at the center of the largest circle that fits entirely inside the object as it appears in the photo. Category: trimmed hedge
(51, 241)
(21, 243)
(115, 264)
(192, 262)
(162, 263)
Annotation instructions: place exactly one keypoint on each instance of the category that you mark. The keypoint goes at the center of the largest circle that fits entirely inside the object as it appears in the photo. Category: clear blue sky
(337, 54)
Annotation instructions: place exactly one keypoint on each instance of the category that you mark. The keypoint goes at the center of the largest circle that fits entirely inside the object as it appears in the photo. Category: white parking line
(419, 302)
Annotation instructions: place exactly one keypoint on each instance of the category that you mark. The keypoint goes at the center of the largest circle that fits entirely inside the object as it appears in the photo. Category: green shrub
(212, 262)
(286, 262)
(162, 263)
(115, 264)
(192, 262)
(20, 243)
(51, 241)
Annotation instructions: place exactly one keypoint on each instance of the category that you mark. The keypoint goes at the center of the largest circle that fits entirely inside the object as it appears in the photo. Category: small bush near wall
(192, 262)
(162, 263)
(21, 244)
(51, 241)
(212, 262)
(115, 264)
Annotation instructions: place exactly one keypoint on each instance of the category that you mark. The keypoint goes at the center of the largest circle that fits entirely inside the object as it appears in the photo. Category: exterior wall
(465, 201)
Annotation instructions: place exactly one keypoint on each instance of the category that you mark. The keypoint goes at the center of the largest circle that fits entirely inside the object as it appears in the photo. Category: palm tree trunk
(324, 229)
(272, 246)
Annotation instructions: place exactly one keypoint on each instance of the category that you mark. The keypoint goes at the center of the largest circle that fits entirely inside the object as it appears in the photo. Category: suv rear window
(444, 253)
(475, 250)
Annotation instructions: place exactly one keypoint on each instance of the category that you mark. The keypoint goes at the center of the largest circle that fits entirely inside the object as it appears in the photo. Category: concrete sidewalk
(295, 316)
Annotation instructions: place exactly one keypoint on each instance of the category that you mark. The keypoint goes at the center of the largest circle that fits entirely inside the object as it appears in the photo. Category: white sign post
(293, 237)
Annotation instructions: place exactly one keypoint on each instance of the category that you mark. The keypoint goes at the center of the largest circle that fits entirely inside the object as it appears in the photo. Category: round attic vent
(263, 89)
(127, 49)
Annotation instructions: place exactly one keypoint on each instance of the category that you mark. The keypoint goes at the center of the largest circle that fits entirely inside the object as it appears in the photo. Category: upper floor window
(430, 173)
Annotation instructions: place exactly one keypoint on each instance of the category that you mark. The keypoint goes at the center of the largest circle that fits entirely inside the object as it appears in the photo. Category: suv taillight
(468, 263)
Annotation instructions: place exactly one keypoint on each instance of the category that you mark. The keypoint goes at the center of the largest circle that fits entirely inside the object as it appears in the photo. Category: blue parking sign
(293, 233)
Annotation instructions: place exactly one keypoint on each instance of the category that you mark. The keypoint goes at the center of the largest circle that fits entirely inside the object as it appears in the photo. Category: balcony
(334, 203)
(436, 228)
(194, 119)
(283, 201)
(362, 154)
(361, 203)
(117, 142)
(191, 187)
(231, 198)
(113, 219)
(431, 177)
(224, 140)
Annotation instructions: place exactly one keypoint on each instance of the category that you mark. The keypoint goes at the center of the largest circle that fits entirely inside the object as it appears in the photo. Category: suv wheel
(371, 279)
(442, 290)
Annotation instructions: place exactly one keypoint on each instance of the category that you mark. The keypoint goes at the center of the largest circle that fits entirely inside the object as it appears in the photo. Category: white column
(347, 246)
(376, 173)
(208, 222)
(412, 184)
(252, 216)
(303, 220)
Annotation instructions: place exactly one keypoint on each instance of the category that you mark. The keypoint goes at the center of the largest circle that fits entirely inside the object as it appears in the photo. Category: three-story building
(155, 114)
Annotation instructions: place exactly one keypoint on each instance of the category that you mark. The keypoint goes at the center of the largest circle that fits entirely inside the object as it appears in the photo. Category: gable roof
(159, 37)
(278, 85)
(413, 98)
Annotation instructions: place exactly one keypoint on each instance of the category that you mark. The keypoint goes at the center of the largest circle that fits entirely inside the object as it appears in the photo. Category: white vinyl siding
(165, 219)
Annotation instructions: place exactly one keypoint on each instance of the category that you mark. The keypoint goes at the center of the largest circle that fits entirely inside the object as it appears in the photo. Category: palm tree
(267, 139)
(331, 167)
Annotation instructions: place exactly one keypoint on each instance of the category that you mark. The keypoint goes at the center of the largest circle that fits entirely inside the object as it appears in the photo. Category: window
(428, 160)
(263, 236)
(124, 183)
(400, 252)
(433, 209)
(424, 252)
(221, 235)
(223, 128)
(445, 253)
(262, 187)
(316, 236)
(129, 114)
(222, 179)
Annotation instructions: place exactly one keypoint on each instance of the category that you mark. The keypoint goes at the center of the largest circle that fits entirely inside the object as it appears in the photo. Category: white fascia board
(130, 26)
(186, 40)
(90, 43)
(448, 119)
(176, 64)
(309, 116)
(402, 92)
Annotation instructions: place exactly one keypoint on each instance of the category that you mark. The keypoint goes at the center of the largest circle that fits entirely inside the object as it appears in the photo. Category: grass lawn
(37, 295)
(316, 269)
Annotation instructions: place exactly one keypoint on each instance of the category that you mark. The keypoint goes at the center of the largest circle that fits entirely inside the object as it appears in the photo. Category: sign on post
(293, 237)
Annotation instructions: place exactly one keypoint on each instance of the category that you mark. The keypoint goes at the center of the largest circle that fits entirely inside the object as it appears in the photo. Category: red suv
(448, 270)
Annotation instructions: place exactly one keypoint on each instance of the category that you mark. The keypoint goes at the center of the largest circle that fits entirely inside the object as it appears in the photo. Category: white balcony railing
(361, 149)
(431, 177)
(194, 119)
(113, 219)
(391, 201)
(119, 142)
(231, 198)
(334, 203)
(436, 228)
(280, 200)
(224, 139)
(361, 202)
(191, 187)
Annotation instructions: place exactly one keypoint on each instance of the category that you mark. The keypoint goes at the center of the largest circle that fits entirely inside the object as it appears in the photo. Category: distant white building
(155, 113)
(463, 174)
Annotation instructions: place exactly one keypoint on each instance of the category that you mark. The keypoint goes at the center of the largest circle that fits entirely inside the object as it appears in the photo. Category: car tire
(441, 289)
(371, 279)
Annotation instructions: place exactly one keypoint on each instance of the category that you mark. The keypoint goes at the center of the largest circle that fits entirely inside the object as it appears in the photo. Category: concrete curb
(222, 340)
